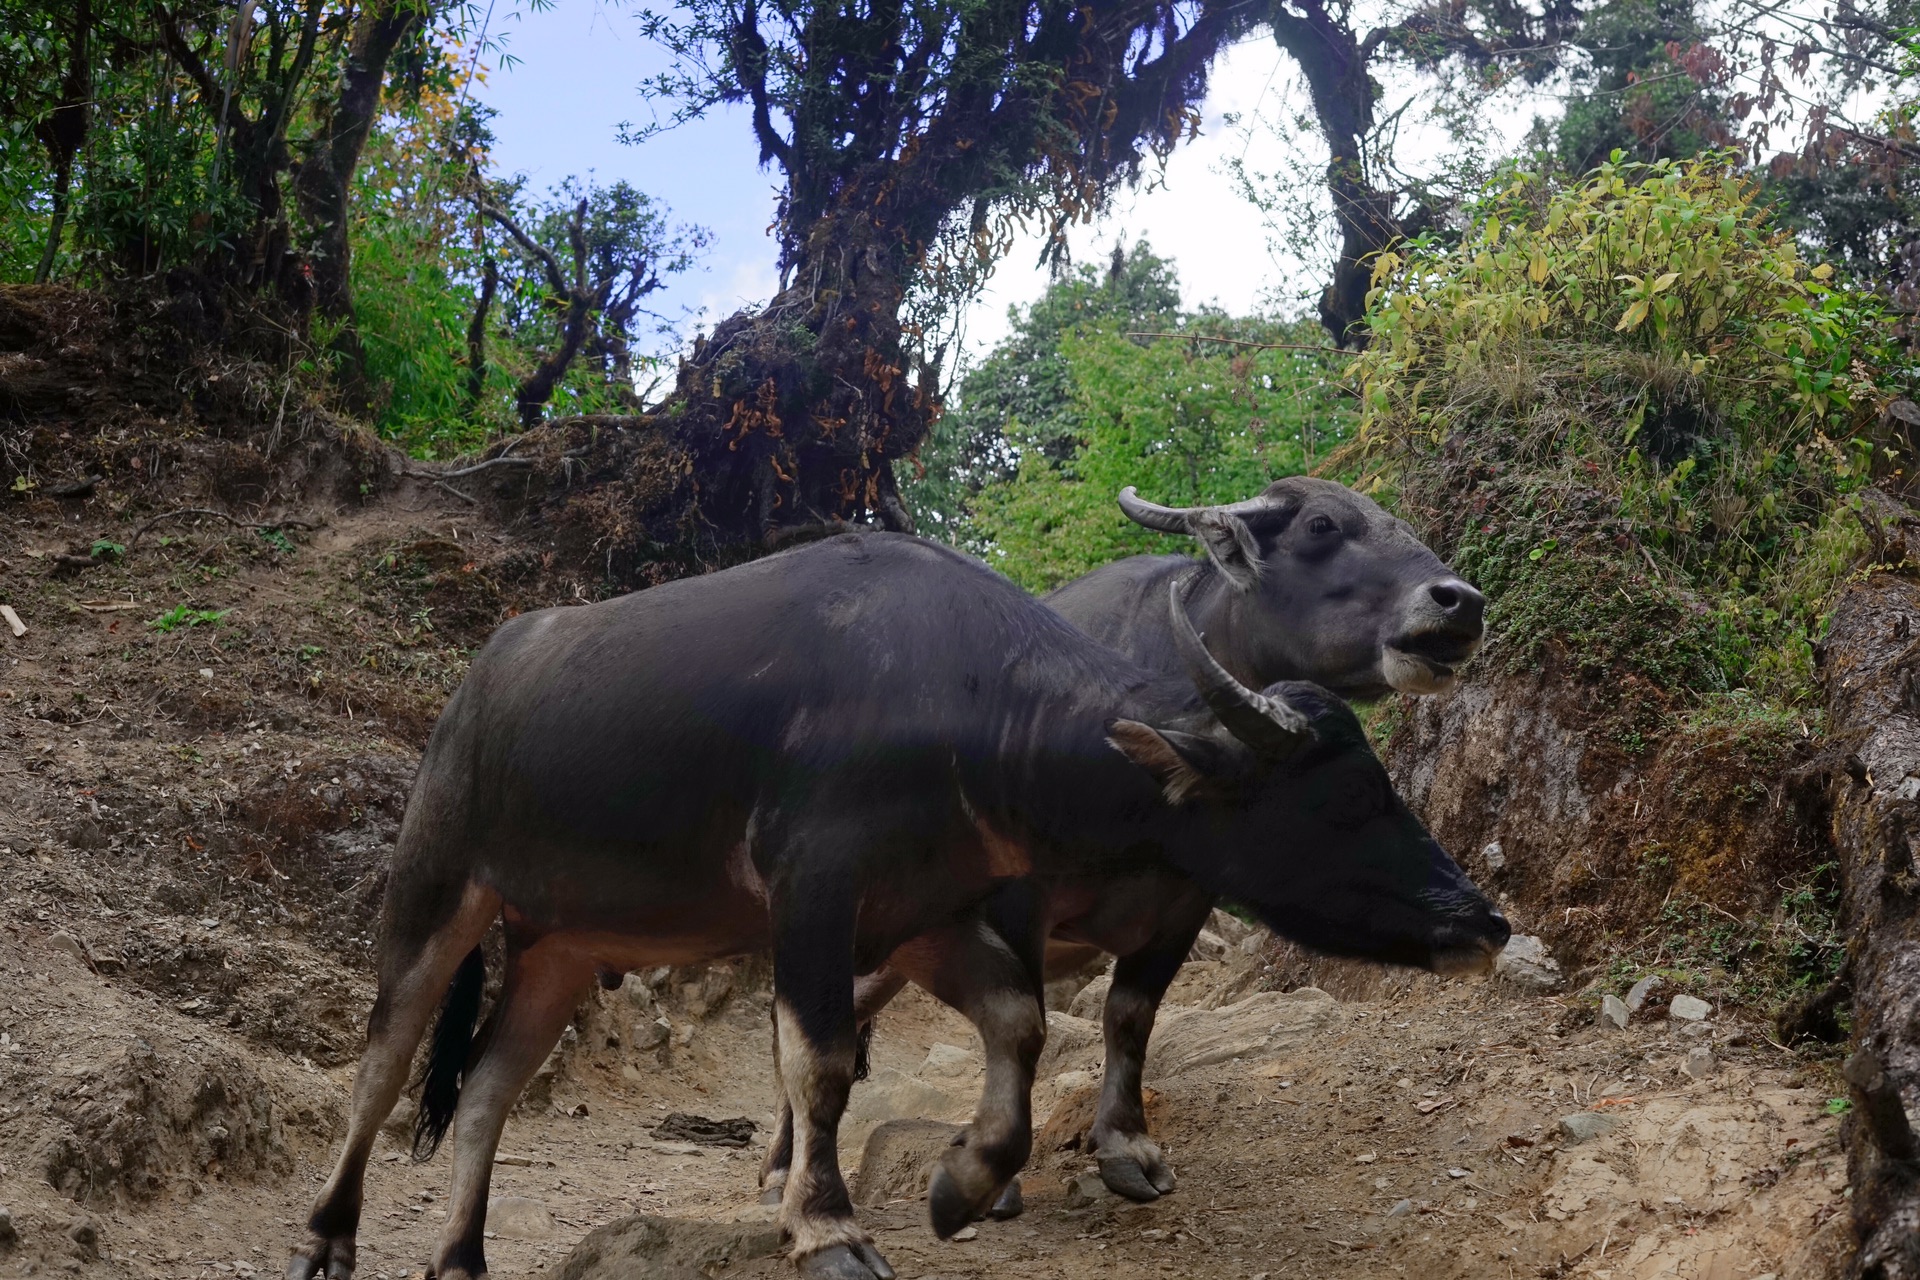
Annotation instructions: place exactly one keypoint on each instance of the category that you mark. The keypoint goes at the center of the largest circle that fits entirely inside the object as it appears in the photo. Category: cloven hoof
(846, 1262)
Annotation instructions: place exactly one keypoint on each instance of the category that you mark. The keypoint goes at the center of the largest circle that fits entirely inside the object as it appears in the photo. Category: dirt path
(192, 824)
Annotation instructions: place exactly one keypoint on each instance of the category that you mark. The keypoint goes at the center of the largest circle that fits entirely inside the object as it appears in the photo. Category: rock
(1230, 927)
(706, 997)
(1527, 963)
(899, 1159)
(1085, 1189)
(61, 940)
(648, 1248)
(1688, 1008)
(1637, 994)
(519, 1218)
(9, 1234)
(676, 1148)
(1699, 1063)
(1400, 1209)
(638, 993)
(1582, 1126)
(950, 1062)
(1259, 1026)
(1493, 855)
(1208, 946)
(1092, 1000)
(85, 1236)
(966, 1233)
(890, 1094)
(648, 1036)
(1614, 1012)
(1068, 1038)
(1058, 995)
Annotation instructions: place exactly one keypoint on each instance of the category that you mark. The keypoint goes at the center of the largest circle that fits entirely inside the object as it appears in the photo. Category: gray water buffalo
(1307, 581)
(865, 748)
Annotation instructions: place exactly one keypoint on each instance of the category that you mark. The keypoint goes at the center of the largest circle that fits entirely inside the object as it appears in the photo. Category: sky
(574, 78)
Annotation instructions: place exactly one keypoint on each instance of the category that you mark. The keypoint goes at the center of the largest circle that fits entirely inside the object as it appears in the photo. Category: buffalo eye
(1322, 526)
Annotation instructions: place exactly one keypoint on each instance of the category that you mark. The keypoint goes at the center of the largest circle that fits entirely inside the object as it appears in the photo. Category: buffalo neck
(1218, 610)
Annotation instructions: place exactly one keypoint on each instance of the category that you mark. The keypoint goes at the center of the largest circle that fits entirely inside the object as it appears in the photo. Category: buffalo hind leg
(871, 993)
(989, 969)
(1131, 1163)
(544, 981)
(414, 973)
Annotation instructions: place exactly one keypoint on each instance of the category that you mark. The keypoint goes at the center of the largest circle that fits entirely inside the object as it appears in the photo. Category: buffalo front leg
(871, 993)
(816, 1041)
(1131, 1163)
(989, 969)
(544, 981)
(415, 969)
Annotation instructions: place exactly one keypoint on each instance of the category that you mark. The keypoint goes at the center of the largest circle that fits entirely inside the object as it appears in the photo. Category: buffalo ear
(1185, 763)
(1230, 545)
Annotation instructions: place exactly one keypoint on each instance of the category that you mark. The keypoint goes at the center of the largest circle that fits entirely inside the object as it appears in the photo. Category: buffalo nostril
(1444, 595)
(1456, 599)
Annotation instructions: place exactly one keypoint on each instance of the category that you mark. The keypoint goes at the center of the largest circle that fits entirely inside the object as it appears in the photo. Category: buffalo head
(1283, 806)
(1322, 582)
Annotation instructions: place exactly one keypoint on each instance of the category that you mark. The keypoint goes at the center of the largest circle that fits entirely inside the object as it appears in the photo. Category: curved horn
(1178, 519)
(1152, 514)
(1270, 727)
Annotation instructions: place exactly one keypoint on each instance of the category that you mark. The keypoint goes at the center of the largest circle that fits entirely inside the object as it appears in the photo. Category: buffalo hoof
(1126, 1176)
(846, 1262)
(1010, 1204)
(322, 1259)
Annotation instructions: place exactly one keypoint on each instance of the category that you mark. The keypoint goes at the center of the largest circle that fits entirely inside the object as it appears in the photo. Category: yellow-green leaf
(1537, 267)
(1664, 282)
(1635, 314)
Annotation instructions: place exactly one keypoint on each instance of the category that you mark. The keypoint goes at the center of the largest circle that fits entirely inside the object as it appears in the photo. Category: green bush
(1633, 414)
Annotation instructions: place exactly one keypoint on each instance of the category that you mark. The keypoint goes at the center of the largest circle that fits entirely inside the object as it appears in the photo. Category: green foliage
(1185, 421)
(107, 549)
(1645, 85)
(182, 615)
(1628, 397)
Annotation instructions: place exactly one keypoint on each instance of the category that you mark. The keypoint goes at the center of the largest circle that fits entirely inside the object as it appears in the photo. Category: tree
(1648, 85)
(1024, 387)
(908, 137)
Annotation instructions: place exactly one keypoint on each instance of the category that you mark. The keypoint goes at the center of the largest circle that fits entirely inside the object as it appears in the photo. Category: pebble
(1688, 1008)
(61, 940)
(1401, 1209)
(9, 1234)
(677, 1149)
(1614, 1012)
(967, 1233)
(1699, 1063)
(1085, 1189)
(1494, 856)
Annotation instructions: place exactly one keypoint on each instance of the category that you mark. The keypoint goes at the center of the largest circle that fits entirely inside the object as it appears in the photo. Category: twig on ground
(218, 515)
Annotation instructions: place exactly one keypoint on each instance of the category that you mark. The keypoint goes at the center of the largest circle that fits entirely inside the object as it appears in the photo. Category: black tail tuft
(452, 1040)
(863, 1050)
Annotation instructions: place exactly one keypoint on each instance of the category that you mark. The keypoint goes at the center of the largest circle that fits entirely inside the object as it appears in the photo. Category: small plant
(1838, 1106)
(278, 540)
(106, 549)
(182, 615)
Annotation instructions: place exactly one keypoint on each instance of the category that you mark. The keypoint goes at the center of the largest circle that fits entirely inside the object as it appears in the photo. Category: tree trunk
(477, 336)
(1871, 670)
(325, 184)
(65, 130)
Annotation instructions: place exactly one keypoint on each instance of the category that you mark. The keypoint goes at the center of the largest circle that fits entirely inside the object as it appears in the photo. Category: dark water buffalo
(1307, 581)
(866, 748)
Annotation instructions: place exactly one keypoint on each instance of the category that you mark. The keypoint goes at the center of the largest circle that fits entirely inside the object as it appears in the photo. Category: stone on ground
(1637, 994)
(1259, 1026)
(1092, 1000)
(1582, 1126)
(643, 1247)
(1072, 1119)
(1527, 963)
(1071, 1042)
(1688, 1008)
(1614, 1013)
(899, 1160)
(519, 1218)
(1086, 1188)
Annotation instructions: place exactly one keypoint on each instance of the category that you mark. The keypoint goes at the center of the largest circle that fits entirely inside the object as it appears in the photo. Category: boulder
(1072, 1119)
(1637, 994)
(1687, 1008)
(644, 1247)
(1582, 1126)
(1614, 1013)
(899, 1159)
(890, 1094)
(1259, 1026)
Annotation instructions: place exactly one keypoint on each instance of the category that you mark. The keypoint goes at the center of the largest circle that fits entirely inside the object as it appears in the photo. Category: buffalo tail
(452, 1041)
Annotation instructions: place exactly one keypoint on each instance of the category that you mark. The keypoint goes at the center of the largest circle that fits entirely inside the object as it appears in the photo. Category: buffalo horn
(1178, 519)
(1269, 726)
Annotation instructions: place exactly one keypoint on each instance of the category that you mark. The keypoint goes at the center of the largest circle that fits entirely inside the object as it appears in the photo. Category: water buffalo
(1307, 581)
(865, 748)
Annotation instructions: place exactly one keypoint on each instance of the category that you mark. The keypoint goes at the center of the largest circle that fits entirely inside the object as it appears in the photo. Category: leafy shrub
(1628, 398)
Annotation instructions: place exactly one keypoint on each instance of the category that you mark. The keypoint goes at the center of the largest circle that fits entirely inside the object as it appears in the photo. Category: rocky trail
(205, 743)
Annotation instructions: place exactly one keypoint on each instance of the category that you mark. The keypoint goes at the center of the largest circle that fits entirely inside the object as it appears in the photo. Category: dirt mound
(166, 391)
